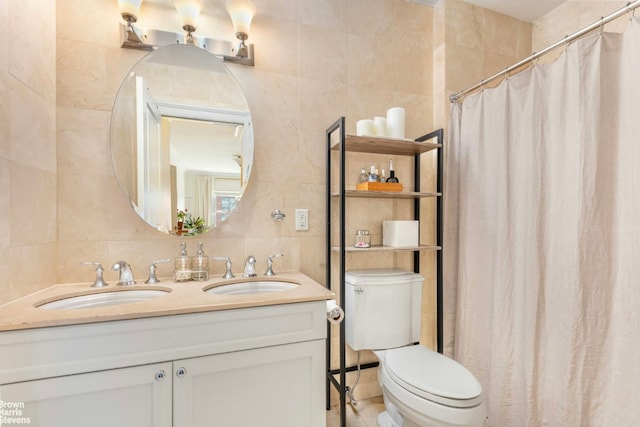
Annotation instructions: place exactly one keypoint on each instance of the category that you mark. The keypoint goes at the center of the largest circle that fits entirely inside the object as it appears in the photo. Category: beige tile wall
(472, 43)
(28, 199)
(569, 18)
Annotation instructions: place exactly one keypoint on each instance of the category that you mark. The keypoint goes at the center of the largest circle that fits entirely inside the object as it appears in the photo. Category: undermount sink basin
(251, 287)
(104, 299)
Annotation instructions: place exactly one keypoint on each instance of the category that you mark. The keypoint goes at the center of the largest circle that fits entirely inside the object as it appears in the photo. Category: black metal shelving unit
(342, 144)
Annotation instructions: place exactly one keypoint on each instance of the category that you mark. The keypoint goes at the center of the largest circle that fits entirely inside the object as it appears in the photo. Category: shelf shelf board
(386, 194)
(387, 248)
(375, 145)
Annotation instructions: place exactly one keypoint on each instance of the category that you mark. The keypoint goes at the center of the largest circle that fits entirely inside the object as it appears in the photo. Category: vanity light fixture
(241, 12)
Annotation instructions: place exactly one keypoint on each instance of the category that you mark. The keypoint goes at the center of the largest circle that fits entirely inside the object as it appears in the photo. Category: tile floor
(363, 415)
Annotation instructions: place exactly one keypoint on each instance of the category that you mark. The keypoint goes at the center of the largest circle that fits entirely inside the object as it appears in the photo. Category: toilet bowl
(423, 388)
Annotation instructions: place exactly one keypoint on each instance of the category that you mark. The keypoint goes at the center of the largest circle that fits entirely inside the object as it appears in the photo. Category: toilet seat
(432, 376)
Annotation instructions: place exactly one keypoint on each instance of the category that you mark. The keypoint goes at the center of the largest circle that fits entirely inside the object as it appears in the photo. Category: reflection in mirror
(182, 140)
(209, 189)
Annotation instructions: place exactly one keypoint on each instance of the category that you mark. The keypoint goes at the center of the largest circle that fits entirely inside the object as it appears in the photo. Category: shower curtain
(542, 238)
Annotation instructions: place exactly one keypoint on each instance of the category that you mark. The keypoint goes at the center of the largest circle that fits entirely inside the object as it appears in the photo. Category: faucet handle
(152, 270)
(228, 274)
(270, 259)
(99, 282)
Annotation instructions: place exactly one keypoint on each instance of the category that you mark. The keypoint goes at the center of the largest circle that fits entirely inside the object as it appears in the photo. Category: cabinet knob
(181, 372)
(359, 290)
(160, 376)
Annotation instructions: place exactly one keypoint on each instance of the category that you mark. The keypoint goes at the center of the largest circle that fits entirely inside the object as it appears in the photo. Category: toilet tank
(382, 308)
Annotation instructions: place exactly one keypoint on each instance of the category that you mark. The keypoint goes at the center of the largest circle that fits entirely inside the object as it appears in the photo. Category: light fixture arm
(190, 29)
(242, 48)
(131, 34)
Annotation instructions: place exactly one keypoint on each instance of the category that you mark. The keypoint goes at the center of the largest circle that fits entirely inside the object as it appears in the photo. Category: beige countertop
(182, 298)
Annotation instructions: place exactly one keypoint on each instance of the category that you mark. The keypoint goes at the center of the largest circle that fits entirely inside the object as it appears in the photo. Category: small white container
(380, 126)
(395, 122)
(364, 127)
(400, 234)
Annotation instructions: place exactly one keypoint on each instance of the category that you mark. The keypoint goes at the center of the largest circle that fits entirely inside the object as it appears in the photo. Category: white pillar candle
(380, 126)
(364, 127)
(395, 122)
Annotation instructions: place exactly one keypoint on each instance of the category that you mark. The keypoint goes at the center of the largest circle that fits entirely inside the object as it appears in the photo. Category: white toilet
(420, 387)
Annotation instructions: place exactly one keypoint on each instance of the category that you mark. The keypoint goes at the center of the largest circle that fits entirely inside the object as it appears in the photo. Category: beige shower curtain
(542, 238)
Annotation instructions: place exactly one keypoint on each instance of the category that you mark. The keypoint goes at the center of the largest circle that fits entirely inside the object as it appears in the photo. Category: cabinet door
(130, 397)
(279, 386)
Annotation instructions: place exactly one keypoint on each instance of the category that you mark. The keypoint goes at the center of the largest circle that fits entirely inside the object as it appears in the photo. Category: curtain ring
(601, 24)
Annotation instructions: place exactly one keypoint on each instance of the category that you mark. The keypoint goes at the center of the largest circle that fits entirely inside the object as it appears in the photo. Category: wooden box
(380, 186)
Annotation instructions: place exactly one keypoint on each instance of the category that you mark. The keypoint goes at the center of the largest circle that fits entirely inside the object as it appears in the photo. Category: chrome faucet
(126, 275)
(250, 267)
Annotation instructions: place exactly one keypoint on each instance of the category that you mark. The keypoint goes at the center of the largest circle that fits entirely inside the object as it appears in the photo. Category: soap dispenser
(200, 265)
(182, 267)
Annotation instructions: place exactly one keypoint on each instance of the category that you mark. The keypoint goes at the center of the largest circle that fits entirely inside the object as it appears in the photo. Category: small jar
(363, 239)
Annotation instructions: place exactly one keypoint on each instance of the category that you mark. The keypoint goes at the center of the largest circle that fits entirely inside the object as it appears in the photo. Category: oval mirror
(181, 140)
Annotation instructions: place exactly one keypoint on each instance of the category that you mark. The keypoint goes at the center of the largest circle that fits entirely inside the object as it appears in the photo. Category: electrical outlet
(302, 219)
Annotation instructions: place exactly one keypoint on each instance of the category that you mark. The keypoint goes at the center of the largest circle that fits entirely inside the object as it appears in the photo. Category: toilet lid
(432, 376)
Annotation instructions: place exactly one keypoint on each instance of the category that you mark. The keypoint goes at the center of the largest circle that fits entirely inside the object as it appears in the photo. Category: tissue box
(400, 234)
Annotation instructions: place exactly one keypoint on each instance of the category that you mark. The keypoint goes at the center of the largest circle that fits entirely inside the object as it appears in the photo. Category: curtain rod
(628, 8)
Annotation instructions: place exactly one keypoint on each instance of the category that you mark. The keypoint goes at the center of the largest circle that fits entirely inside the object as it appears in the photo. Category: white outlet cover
(302, 219)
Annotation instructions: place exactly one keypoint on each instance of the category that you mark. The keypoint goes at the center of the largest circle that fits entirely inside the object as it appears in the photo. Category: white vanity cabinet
(136, 396)
(243, 367)
(274, 386)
